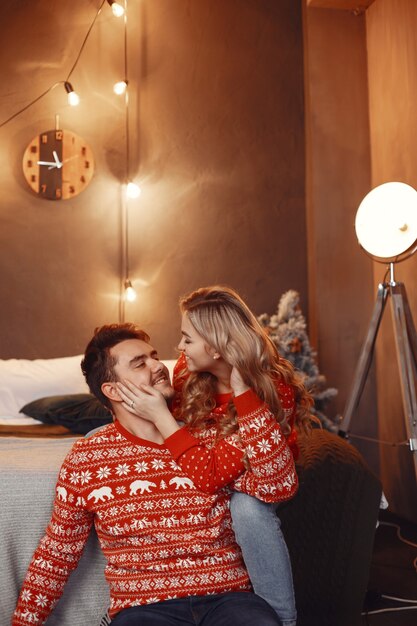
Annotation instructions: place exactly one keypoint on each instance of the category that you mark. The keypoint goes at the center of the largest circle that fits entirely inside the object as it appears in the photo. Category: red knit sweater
(162, 536)
(286, 395)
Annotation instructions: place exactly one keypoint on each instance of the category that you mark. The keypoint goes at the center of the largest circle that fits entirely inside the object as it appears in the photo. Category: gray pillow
(80, 413)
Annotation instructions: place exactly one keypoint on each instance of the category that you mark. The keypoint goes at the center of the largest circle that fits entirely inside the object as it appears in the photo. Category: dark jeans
(224, 609)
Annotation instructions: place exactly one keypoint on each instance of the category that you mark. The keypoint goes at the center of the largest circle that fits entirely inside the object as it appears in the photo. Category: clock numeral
(43, 188)
(44, 138)
(86, 164)
(83, 150)
(82, 179)
(33, 178)
(58, 192)
(58, 135)
(34, 149)
(29, 163)
(72, 189)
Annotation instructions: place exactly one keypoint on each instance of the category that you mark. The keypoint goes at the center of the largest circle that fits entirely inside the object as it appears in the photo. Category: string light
(133, 190)
(130, 189)
(120, 87)
(73, 97)
(118, 9)
(130, 293)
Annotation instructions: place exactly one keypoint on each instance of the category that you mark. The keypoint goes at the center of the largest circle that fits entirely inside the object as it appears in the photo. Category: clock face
(58, 164)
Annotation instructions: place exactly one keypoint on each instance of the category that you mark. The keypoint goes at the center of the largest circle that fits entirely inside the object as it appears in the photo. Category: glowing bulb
(73, 97)
(133, 190)
(120, 87)
(117, 8)
(130, 293)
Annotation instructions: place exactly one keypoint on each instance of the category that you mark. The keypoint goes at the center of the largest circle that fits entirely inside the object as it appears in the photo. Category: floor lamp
(386, 227)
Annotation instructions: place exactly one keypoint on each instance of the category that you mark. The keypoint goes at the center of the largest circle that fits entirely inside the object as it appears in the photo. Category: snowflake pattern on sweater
(286, 395)
(213, 464)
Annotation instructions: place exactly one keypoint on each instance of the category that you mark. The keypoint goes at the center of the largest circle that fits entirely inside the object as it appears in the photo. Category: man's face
(137, 361)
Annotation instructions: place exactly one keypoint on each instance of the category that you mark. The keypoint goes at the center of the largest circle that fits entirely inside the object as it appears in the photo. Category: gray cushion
(80, 413)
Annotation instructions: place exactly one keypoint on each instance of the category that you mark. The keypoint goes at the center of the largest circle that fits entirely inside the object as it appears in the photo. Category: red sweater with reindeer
(162, 536)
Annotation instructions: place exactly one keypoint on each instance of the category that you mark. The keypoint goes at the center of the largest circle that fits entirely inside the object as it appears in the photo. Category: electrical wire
(124, 205)
(372, 439)
(61, 82)
(401, 538)
(412, 604)
(390, 610)
(9, 119)
(399, 535)
(127, 172)
(398, 599)
(85, 39)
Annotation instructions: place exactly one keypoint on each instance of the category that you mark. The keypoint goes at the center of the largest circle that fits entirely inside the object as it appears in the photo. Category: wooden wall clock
(58, 164)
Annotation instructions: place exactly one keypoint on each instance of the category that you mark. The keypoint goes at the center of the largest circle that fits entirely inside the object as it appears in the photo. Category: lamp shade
(386, 222)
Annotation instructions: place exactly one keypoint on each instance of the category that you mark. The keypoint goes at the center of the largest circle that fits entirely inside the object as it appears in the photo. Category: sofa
(329, 527)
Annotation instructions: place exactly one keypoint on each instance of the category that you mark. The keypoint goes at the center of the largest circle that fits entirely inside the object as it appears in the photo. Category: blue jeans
(223, 609)
(258, 533)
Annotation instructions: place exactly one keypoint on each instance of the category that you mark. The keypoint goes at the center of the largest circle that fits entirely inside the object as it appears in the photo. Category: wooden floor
(393, 573)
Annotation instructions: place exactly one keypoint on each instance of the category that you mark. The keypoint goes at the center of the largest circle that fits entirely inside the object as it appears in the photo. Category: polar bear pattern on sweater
(101, 494)
(142, 486)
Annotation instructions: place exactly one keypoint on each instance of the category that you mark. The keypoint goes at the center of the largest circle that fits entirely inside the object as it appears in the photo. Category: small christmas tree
(288, 330)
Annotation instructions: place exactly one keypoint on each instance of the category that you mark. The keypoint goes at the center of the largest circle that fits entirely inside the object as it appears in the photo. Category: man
(171, 553)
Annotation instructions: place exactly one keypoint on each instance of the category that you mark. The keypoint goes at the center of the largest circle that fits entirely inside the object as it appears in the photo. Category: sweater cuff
(180, 441)
(247, 403)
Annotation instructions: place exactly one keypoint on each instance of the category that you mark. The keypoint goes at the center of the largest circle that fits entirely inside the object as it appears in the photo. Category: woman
(227, 359)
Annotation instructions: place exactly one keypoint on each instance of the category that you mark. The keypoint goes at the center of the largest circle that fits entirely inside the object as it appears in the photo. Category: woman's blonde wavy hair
(227, 324)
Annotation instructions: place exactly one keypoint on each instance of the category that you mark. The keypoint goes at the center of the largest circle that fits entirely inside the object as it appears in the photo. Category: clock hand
(58, 163)
(74, 156)
(52, 164)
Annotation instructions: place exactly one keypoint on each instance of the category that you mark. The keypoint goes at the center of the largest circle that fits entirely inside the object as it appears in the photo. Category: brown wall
(338, 176)
(392, 62)
(217, 140)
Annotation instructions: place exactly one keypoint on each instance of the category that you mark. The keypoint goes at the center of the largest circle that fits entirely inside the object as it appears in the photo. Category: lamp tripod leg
(365, 359)
(406, 342)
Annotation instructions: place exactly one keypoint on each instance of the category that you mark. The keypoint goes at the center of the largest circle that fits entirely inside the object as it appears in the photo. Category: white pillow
(24, 380)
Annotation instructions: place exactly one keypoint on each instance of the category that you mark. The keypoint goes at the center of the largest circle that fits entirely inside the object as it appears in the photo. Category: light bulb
(73, 97)
(120, 87)
(133, 190)
(130, 293)
(117, 8)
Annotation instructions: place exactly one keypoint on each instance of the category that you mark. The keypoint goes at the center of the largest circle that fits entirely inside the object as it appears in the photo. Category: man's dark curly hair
(97, 364)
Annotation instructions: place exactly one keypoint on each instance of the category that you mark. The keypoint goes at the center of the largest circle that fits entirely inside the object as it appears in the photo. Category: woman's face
(198, 354)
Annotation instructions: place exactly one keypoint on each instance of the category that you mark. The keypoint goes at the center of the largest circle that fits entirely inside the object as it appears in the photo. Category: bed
(31, 453)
